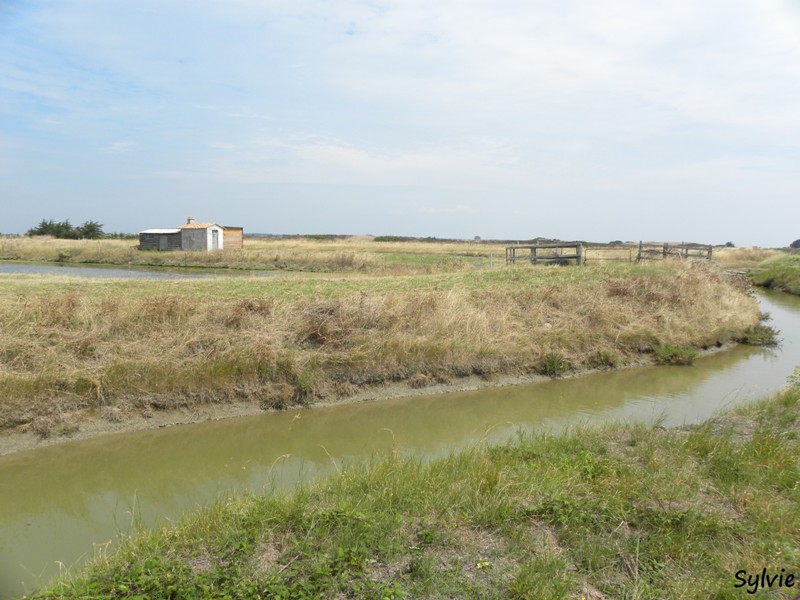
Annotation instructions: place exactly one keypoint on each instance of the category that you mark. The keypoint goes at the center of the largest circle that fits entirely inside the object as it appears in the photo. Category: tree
(90, 230)
(729, 245)
(795, 244)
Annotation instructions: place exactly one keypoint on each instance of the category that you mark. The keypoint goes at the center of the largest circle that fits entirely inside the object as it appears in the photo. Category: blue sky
(662, 120)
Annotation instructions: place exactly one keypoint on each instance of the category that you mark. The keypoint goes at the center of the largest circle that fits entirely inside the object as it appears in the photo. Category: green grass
(781, 273)
(622, 511)
(673, 355)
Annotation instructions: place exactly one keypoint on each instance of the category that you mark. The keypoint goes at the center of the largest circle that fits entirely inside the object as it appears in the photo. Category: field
(359, 254)
(369, 313)
(623, 511)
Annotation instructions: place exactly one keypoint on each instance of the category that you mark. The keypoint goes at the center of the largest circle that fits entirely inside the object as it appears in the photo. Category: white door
(214, 239)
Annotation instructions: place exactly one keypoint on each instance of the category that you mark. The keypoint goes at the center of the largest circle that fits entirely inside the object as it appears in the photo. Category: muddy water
(60, 505)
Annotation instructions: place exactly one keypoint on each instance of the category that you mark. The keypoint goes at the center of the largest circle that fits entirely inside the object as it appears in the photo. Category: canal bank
(152, 477)
(129, 352)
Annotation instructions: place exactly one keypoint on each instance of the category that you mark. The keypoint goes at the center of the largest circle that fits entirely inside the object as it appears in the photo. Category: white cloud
(119, 147)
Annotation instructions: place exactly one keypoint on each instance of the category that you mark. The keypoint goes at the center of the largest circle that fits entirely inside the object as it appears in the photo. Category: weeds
(760, 335)
(553, 365)
(674, 355)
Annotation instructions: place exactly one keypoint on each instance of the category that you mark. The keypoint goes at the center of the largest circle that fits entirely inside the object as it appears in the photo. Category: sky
(665, 120)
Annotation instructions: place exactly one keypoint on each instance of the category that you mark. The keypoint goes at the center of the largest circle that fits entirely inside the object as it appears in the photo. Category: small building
(201, 237)
(160, 239)
(233, 237)
(192, 236)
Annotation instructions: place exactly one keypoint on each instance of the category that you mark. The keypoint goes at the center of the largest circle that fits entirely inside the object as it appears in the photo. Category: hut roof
(194, 225)
(161, 231)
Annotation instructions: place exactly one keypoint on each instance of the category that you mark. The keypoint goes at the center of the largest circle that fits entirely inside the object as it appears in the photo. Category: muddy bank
(91, 423)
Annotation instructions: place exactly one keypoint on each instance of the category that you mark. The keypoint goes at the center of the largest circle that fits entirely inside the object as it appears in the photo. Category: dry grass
(68, 346)
(744, 258)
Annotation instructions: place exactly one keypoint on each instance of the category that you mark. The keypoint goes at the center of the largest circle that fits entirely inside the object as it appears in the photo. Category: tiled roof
(197, 225)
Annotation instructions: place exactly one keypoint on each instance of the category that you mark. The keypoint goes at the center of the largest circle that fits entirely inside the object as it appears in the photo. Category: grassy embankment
(780, 273)
(76, 348)
(622, 511)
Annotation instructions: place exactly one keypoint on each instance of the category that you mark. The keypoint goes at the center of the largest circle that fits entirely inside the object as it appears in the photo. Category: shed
(160, 239)
(201, 236)
(233, 237)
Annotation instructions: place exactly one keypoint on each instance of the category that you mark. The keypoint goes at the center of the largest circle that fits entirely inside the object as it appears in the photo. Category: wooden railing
(558, 253)
(649, 250)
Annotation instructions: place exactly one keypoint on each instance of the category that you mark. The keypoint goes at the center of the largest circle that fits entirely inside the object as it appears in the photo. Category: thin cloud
(120, 147)
(447, 210)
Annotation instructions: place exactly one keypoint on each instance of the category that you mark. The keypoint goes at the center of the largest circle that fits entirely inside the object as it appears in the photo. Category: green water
(62, 504)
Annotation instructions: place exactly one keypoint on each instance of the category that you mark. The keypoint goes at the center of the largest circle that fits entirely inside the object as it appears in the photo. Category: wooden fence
(558, 253)
(649, 250)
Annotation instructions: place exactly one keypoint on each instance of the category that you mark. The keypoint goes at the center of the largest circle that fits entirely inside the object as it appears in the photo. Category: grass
(674, 355)
(780, 273)
(745, 258)
(73, 348)
(621, 511)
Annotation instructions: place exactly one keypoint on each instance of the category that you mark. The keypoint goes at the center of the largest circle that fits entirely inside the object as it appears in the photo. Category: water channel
(123, 272)
(61, 504)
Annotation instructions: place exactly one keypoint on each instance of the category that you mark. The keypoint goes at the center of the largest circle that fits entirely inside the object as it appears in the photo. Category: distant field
(355, 254)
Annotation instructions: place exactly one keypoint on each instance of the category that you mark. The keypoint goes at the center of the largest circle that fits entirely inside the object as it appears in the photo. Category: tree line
(89, 230)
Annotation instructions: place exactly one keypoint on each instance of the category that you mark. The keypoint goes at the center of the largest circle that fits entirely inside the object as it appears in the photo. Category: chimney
(189, 220)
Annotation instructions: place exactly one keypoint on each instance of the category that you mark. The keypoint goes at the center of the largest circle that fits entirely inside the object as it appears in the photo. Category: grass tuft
(674, 355)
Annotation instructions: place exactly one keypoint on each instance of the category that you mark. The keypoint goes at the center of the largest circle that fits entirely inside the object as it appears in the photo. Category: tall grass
(68, 346)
